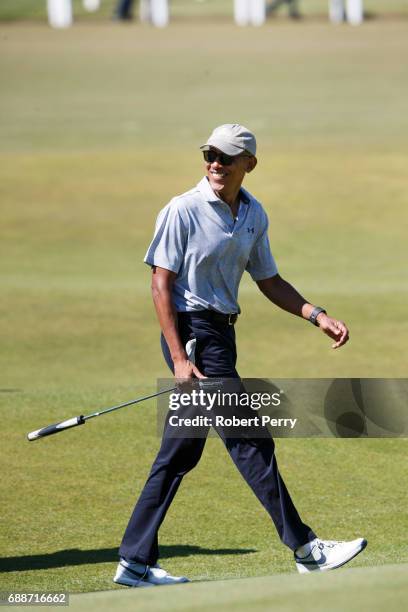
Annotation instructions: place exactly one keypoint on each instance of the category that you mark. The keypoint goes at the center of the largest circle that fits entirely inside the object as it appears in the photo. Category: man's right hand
(185, 370)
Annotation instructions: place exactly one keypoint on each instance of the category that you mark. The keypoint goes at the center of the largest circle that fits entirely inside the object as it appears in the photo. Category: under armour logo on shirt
(250, 230)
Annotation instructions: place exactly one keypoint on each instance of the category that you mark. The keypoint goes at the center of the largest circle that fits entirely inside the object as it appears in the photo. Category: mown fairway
(100, 126)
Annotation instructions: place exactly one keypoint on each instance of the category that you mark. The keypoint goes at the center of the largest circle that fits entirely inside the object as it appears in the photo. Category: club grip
(53, 429)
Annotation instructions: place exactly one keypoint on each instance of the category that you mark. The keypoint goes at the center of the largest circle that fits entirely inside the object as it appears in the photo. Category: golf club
(81, 419)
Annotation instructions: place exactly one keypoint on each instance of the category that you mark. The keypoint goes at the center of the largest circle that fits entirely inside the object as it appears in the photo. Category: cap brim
(223, 146)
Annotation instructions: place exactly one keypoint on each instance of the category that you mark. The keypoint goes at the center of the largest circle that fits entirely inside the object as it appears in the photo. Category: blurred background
(100, 125)
(187, 9)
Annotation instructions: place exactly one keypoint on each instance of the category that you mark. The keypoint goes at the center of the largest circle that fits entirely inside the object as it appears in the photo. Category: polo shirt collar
(208, 194)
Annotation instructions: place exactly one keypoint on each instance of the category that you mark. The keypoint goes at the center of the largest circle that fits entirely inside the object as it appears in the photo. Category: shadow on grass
(74, 556)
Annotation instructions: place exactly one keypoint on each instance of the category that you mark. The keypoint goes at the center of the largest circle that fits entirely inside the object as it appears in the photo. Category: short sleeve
(261, 263)
(168, 245)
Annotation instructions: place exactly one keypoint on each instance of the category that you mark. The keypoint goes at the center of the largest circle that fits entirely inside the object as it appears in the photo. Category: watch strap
(314, 314)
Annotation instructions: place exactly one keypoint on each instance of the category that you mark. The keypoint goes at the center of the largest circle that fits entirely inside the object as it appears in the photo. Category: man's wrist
(315, 314)
(177, 357)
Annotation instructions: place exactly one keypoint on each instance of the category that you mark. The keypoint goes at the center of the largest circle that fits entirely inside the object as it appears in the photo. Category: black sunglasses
(222, 158)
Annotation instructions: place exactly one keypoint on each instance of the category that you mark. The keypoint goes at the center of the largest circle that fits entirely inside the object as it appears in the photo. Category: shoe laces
(328, 543)
(158, 571)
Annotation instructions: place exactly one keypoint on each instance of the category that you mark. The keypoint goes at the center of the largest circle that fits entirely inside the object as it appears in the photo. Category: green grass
(354, 590)
(99, 128)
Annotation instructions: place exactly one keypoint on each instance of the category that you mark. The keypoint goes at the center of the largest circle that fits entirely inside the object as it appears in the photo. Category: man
(204, 240)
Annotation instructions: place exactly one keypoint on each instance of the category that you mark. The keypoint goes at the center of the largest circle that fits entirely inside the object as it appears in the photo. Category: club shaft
(136, 401)
(80, 420)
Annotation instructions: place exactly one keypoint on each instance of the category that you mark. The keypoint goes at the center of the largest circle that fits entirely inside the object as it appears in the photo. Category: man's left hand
(336, 330)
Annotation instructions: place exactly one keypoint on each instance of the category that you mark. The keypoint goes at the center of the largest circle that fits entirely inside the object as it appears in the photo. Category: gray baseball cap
(232, 139)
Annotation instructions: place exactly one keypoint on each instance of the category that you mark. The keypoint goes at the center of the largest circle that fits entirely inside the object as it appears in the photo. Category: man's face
(228, 178)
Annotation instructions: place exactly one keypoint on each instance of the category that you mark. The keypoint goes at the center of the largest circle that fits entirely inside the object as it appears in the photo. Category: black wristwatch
(315, 313)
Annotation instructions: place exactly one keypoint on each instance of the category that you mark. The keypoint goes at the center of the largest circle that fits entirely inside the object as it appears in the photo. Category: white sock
(304, 550)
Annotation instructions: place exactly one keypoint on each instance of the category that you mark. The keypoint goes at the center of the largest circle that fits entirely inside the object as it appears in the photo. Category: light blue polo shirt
(197, 237)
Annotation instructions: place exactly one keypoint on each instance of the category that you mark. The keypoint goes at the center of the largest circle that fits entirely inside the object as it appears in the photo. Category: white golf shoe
(325, 555)
(140, 575)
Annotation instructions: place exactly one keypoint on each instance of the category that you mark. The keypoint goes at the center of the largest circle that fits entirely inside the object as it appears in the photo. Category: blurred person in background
(150, 11)
(292, 7)
(123, 10)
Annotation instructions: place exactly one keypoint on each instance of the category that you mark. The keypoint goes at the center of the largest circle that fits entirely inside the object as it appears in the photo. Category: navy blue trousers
(254, 457)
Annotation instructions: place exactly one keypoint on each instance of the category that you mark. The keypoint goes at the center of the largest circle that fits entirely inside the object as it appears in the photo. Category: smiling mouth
(218, 174)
